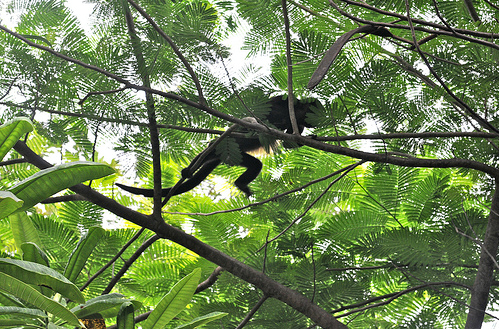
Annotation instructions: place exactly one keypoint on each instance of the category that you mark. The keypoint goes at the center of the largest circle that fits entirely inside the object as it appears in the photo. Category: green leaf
(22, 311)
(82, 251)
(10, 133)
(14, 323)
(173, 302)
(106, 305)
(125, 319)
(49, 181)
(9, 300)
(201, 320)
(32, 253)
(24, 291)
(9, 203)
(23, 230)
(33, 273)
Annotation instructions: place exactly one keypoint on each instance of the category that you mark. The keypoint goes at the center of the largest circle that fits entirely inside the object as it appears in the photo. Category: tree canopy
(383, 215)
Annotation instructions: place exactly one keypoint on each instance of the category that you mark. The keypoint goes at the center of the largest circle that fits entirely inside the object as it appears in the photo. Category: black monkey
(278, 117)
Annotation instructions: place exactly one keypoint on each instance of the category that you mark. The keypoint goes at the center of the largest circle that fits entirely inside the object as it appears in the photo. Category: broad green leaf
(25, 292)
(10, 133)
(13, 323)
(49, 181)
(37, 274)
(82, 251)
(173, 302)
(106, 305)
(32, 253)
(22, 312)
(23, 230)
(9, 300)
(9, 203)
(201, 320)
(125, 319)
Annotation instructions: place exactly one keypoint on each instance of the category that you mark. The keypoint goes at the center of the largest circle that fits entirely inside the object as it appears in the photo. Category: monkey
(278, 117)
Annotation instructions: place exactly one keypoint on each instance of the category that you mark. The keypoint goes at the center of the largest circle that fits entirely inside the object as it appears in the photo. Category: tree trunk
(485, 273)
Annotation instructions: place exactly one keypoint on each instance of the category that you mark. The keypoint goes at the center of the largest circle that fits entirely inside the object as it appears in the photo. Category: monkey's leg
(196, 179)
(254, 167)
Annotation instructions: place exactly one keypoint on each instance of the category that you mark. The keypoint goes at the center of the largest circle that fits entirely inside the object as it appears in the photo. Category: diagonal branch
(112, 260)
(269, 287)
(439, 29)
(403, 18)
(367, 156)
(129, 262)
(174, 48)
(389, 298)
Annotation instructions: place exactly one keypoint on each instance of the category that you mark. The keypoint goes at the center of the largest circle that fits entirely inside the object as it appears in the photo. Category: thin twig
(252, 312)
(289, 67)
(482, 122)
(129, 263)
(350, 168)
(105, 92)
(13, 161)
(385, 13)
(11, 84)
(263, 201)
(391, 297)
(210, 281)
(174, 48)
(441, 31)
(111, 262)
(118, 121)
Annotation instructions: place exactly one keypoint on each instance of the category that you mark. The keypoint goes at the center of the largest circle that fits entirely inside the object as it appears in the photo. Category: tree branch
(111, 262)
(439, 29)
(174, 48)
(477, 34)
(485, 273)
(268, 286)
(390, 298)
(129, 263)
(252, 312)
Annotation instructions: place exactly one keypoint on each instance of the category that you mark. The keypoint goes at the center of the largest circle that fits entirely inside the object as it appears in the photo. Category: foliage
(400, 239)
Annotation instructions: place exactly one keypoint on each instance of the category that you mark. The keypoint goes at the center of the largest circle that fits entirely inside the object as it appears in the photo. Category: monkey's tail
(148, 193)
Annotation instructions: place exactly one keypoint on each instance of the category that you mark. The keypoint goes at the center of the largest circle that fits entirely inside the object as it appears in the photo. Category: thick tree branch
(268, 286)
(485, 273)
